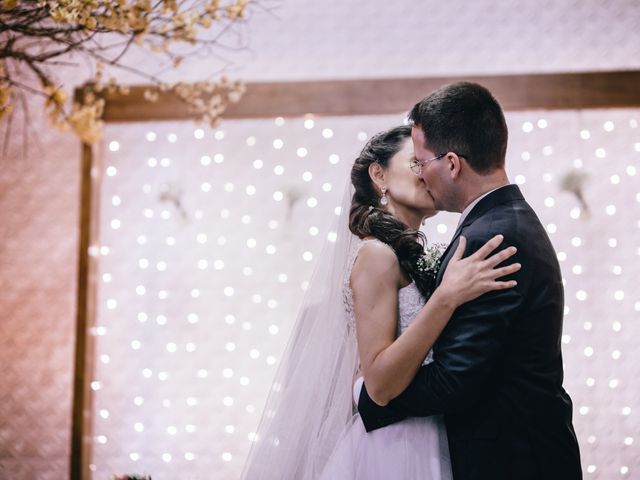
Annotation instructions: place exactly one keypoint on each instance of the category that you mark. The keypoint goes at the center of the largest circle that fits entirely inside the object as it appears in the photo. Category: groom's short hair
(466, 119)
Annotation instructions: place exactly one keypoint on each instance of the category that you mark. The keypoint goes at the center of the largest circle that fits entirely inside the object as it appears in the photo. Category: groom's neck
(477, 185)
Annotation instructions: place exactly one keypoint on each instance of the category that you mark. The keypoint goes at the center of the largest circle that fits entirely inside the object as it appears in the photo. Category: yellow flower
(91, 23)
(171, 5)
(85, 121)
(206, 21)
(56, 98)
(59, 97)
(144, 5)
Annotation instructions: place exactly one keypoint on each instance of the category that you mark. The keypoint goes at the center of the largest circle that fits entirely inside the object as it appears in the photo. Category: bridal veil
(310, 402)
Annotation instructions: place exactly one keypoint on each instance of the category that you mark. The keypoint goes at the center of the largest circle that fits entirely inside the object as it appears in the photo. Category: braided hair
(366, 218)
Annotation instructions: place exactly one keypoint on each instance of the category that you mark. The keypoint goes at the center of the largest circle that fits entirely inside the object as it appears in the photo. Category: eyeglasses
(416, 165)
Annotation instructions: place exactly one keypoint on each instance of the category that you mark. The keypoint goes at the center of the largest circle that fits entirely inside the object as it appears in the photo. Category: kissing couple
(411, 364)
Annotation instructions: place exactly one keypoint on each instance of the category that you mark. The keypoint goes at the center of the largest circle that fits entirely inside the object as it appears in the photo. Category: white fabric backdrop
(195, 311)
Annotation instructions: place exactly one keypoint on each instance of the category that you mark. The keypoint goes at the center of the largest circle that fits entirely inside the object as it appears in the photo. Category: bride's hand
(468, 278)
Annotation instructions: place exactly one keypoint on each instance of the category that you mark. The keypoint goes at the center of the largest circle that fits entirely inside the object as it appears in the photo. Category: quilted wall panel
(38, 249)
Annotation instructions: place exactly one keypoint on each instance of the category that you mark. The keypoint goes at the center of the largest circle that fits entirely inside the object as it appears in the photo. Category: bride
(372, 311)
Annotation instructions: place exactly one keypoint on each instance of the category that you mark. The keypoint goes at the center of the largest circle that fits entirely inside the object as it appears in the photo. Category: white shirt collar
(469, 207)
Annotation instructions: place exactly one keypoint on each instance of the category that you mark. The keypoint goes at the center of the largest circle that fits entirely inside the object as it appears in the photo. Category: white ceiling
(303, 39)
(364, 38)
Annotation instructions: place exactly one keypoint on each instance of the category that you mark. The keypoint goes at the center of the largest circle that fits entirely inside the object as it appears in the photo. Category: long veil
(309, 405)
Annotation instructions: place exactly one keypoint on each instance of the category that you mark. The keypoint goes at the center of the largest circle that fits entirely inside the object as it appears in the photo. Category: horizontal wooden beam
(557, 91)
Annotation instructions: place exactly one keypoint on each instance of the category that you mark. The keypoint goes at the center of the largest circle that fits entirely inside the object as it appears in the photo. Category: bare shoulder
(376, 260)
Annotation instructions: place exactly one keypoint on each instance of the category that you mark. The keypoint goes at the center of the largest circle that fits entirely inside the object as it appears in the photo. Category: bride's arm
(389, 363)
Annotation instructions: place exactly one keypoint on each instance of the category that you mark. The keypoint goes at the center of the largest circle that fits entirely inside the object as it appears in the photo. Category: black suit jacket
(497, 370)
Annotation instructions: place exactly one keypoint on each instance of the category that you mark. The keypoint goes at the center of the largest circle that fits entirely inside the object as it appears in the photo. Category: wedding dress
(310, 426)
(415, 448)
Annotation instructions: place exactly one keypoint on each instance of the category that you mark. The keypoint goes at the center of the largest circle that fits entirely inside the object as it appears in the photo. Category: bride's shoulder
(376, 247)
(375, 259)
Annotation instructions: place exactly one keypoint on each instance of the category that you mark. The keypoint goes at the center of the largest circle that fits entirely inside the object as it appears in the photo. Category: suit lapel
(505, 194)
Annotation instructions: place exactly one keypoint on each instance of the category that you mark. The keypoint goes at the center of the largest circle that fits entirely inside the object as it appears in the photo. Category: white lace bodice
(410, 300)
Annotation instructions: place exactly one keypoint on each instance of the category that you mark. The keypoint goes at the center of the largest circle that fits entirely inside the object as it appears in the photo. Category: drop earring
(384, 201)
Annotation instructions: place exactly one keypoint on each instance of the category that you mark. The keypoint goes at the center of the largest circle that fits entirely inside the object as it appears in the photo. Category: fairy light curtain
(208, 239)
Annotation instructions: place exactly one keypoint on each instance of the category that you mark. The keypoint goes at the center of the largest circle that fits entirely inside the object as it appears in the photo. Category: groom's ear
(454, 164)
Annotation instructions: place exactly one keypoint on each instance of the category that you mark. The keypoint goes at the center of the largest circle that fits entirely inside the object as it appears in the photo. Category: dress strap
(356, 250)
(346, 287)
(371, 240)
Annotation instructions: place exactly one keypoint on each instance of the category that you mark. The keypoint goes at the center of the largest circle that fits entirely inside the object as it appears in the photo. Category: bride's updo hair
(367, 218)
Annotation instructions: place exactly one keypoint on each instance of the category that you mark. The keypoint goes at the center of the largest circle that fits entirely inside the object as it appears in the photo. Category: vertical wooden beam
(85, 309)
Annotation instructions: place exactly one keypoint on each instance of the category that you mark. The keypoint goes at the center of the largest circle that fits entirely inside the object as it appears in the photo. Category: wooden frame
(85, 312)
(562, 91)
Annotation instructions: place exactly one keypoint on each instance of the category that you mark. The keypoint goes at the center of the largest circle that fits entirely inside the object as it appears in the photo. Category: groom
(497, 370)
